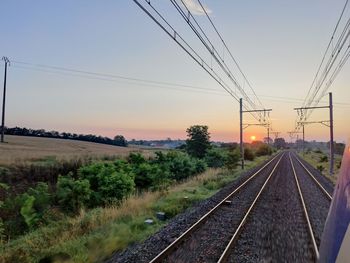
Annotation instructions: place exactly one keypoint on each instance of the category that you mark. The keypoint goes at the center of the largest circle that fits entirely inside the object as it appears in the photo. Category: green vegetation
(91, 209)
(319, 159)
(198, 142)
(93, 235)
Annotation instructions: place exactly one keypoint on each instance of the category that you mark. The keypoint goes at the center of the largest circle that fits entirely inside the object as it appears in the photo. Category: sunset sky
(278, 44)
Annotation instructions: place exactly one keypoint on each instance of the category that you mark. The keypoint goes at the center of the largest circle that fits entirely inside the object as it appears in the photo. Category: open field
(33, 149)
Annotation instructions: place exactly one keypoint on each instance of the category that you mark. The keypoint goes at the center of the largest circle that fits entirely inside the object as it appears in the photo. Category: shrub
(181, 166)
(249, 154)
(109, 182)
(27, 211)
(233, 158)
(42, 197)
(320, 168)
(149, 175)
(136, 158)
(317, 151)
(200, 166)
(323, 159)
(216, 158)
(72, 194)
(263, 149)
(115, 187)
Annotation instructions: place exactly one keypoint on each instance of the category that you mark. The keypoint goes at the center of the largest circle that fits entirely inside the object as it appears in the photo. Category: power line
(327, 71)
(202, 36)
(229, 51)
(172, 33)
(139, 81)
(325, 53)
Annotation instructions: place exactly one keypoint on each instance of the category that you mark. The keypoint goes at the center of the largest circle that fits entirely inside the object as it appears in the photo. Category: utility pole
(303, 139)
(241, 111)
(329, 123)
(241, 131)
(331, 147)
(268, 134)
(6, 60)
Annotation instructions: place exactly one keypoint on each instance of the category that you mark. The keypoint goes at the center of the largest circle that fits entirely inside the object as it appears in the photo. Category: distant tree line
(118, 140)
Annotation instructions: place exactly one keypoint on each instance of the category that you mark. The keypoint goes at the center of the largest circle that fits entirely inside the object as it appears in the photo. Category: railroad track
(276, 214)
(307, 208)
(233, 251)
(170, 251)
(319, 185)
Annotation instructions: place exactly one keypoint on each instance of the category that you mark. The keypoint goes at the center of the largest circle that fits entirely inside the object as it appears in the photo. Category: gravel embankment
(148, 249)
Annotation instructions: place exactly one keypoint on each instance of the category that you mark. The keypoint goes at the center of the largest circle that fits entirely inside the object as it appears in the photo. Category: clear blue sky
(278, 44)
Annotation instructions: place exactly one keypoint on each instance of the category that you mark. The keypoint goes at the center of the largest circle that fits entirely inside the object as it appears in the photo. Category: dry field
(31, 149)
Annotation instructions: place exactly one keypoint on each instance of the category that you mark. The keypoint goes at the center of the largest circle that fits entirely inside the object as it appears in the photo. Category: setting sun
(253, 137)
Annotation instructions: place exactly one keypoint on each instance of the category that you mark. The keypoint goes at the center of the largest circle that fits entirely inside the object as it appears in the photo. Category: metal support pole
(303, 139)
(331, 146)
(241, 131)
(3, 101)
(297, 142)
(268, 134)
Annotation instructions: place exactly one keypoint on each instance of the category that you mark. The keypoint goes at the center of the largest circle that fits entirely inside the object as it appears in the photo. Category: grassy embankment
(94, 235)
(315, 159)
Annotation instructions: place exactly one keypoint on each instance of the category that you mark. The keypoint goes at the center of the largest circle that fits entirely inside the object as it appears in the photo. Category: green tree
(120, 140)
(198, 142)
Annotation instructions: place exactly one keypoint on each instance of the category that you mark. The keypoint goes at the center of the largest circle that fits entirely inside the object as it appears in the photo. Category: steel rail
(165, 252)
(315, 180)
(314, 245)
(225, 254)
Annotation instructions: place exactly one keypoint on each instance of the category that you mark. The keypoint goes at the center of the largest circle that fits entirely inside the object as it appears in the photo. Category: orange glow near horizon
(253, 138)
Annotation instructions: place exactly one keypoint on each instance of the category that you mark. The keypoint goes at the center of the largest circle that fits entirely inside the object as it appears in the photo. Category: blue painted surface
(339, 214)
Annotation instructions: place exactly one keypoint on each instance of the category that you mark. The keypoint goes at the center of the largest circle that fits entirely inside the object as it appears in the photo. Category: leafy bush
(42, 197)
(28, 212)
(200, 166)
(181, 166)
(317, 151)
(136, 158)
(216, 158)
(320, 168)
(263, 149)
(108, 183)
(249, 154)
(323, 159)
(148, 175)
(233, 158)
(72, 194)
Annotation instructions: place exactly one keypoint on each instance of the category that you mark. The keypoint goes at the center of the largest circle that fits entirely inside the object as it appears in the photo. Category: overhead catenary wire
(326, 51)
(203, 37)
(141, 82)
(189, 50)
(229, 51)
(165, 26)
(333, 60)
